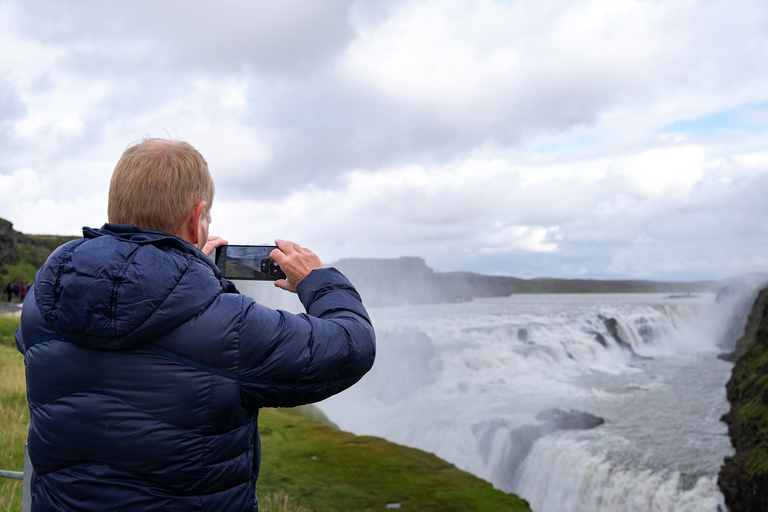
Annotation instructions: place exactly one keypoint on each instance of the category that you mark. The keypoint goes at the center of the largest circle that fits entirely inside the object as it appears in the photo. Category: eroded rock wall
(744, 477)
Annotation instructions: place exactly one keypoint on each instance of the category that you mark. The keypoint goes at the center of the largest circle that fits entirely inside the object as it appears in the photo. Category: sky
(596, 139)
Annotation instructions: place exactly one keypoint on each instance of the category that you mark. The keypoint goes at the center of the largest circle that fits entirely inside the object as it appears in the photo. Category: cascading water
(575, 402)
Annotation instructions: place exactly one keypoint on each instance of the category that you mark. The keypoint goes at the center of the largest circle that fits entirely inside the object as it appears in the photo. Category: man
(146, 370)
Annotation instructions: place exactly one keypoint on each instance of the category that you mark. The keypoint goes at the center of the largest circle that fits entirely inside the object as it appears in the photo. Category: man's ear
(193, 223)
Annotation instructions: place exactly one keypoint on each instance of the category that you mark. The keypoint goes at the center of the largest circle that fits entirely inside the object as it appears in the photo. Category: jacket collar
(143, 236)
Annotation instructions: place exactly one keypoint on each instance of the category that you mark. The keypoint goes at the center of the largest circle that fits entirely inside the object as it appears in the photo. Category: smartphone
(248, 262)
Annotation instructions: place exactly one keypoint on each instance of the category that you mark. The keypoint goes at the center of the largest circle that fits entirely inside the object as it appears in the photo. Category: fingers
(283, 244)
(212, 243)
(295, 261)
(277, 255)
(288, 247)
(284, 284)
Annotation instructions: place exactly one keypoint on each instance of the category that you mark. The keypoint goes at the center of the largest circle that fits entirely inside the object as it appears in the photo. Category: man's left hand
(212, 243)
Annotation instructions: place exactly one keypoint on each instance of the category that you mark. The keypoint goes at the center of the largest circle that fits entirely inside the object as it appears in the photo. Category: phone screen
(248, 262)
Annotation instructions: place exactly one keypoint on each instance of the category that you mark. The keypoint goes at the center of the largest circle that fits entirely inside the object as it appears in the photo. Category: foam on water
(596, 483)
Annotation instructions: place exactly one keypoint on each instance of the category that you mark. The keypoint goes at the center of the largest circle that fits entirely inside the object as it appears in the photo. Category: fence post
(26, 496)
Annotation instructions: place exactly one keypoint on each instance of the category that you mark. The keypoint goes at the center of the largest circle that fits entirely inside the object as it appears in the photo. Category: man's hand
(296, 261)
(212, 243)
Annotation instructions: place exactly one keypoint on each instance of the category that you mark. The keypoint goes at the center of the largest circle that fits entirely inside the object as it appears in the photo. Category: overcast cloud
(570, 138)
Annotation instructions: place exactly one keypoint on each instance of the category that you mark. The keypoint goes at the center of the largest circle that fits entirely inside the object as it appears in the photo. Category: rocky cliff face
(744, 477)
(8, 253)
(408, 280)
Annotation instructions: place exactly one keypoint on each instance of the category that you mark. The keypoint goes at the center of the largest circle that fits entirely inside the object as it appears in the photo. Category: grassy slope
(303, 457)
(31, 256)
(334, 471)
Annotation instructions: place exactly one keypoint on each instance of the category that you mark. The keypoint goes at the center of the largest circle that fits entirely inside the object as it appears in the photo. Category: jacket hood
(122, 286)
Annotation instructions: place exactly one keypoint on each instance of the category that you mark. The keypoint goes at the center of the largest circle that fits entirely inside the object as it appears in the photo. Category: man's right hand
(295, 261)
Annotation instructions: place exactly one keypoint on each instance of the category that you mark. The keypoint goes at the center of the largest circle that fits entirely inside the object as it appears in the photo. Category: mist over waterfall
(573, 401)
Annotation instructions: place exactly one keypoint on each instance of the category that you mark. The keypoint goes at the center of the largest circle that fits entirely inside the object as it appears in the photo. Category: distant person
(9, 290)
(146, 370)
(22, 291)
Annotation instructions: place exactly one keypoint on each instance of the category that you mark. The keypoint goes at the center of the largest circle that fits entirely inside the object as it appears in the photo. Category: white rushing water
(514, 389)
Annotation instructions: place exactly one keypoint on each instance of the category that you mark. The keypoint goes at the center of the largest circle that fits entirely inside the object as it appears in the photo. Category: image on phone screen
(248, 262)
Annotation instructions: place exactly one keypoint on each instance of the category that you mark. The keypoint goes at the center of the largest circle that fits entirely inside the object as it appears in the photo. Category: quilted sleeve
(288, 360)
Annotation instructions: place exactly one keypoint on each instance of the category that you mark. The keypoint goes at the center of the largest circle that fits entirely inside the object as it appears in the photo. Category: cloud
(754, 160)
(656, 172)
(506, 239)
(590, 137)
(191, 36)
(25, 184)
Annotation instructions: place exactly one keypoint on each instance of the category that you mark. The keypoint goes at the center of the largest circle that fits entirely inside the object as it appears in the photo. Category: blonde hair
(157, 183)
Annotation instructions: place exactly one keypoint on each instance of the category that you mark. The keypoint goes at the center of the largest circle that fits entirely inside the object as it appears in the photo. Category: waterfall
(575, 402)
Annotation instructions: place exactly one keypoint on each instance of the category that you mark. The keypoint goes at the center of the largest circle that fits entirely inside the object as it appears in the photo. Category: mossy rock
(744, 477)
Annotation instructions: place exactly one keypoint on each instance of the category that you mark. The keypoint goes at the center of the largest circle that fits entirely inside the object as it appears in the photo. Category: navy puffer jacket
(146, 371)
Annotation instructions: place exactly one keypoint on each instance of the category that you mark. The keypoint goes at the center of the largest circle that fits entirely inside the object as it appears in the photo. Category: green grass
(307, 463)
(14, 424)
(8, 325)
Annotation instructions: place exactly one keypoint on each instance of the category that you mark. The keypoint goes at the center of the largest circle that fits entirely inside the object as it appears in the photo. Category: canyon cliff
(744, 476)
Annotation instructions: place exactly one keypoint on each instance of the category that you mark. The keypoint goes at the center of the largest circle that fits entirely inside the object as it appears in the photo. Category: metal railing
(14, 475)
(26, 476)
